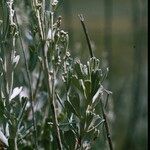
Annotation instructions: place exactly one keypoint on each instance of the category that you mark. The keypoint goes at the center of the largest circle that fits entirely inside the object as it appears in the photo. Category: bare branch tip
(81, 17)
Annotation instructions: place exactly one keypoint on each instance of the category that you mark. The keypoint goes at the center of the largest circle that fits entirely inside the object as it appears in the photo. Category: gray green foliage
(47, 99)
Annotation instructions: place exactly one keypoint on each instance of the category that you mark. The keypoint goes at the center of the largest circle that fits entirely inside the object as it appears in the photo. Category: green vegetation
(48, 99)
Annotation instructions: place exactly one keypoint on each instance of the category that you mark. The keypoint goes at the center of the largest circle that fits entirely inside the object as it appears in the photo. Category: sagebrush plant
(48, 100)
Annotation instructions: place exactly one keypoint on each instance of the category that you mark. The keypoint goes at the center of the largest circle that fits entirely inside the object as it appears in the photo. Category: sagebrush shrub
(48, 100)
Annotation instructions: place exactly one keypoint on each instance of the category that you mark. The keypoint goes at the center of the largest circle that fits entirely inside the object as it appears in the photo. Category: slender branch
(51, 93)
(37, 7)
(51, 86)
(86, 35)
(106, 126)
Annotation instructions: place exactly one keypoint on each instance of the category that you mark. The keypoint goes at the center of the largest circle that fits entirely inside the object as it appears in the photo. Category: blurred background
(118, 32)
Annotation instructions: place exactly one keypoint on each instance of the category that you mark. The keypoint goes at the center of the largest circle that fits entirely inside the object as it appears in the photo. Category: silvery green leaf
(99, 91)
(50, 35)
(16, 60)
(24, 92)
(3, 139)
(78, 69)
(95, 80)
(87, 84)
(96, 121)
(16, 92)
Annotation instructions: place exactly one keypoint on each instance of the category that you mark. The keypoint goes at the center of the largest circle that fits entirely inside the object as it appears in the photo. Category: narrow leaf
(16, 60)
(3, 139)
(16, 92)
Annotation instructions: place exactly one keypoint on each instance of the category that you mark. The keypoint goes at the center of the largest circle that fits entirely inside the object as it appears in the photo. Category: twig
(106, 126)
(51, 94)
(86, 34)
(51, 85)
(36, 7)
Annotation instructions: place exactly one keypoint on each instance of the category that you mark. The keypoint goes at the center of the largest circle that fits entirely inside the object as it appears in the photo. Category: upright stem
(36, 7)
(51, 93)
(51, 84)
(86, 35)
(53, 107)
(106, 126)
